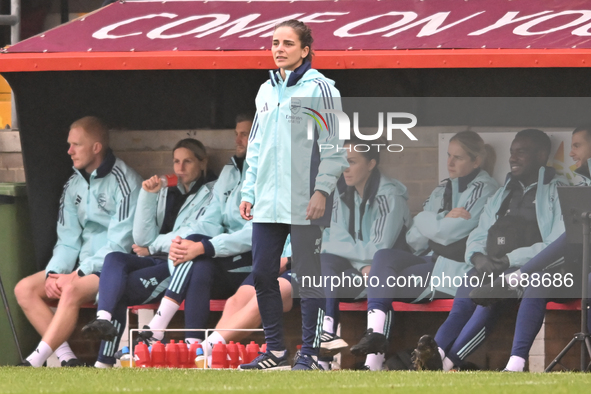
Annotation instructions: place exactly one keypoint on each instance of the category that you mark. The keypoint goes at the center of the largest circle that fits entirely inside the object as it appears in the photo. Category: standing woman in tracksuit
(286, 196)
(437, 239)
(370, 214)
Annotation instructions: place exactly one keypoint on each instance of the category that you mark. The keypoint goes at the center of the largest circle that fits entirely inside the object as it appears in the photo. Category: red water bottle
(219, 356)
(172, 355)
(168, 180)
(158, 355)
(183, 354)
(252, 351)
(193, 354)
(142, 356)
(233, 355)
(264, 348)
(242, 353)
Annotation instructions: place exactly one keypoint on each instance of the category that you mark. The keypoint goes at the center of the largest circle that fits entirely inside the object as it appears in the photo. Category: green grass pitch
(89, 380)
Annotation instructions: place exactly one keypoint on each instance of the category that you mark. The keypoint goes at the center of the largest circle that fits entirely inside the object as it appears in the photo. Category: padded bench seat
(433, 306)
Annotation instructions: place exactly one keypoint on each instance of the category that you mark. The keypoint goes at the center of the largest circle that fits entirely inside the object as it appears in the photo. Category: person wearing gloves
(369, 215)
(288, 183)
(95, 218)
(437, 240)
(162, 213)
(519, 220)
(558, 258)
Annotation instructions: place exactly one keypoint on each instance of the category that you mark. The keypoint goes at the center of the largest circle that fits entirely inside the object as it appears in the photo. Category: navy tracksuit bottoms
(127, 279)
(533, 305)
(387, 267)
(268, 240)
(468, 324)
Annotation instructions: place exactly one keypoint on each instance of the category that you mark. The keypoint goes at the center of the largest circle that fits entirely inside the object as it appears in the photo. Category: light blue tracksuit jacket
(471, 193)
(548, 213)
(385, 215)
(278, 187)
(149, 217)
(95, 217)
(231, 235)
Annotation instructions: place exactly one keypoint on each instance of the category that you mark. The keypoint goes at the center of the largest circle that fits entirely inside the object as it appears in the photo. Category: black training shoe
(426, 356)
(24, 364)
(101, 329)
(488, 295)
(331, 344)
(72, 363)
(146, 337)
(371, 342)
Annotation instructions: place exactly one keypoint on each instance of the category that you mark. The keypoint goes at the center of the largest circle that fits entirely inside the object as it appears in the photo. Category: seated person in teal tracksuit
(95, 218)
(557, 260)
(518, 222)
(369, 214)
(162, 213)
(437, 239)
(214, 260)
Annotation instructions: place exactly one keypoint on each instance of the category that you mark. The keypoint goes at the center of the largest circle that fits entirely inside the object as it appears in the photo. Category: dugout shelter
(168, 65)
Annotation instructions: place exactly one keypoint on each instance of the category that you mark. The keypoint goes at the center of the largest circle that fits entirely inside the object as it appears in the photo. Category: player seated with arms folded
(438, 241)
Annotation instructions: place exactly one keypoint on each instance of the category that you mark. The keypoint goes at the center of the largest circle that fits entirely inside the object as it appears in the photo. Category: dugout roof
(195, 64)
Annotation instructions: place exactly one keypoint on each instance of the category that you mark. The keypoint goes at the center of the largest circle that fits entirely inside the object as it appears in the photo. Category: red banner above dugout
(348, 34)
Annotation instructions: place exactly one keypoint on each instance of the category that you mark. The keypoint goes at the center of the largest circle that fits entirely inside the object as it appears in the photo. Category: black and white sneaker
(426, 356)
(146, 337)
(73, 362)
(306, 363)
(267, 362)
(371, 342)
(331, 344)
(100, 329)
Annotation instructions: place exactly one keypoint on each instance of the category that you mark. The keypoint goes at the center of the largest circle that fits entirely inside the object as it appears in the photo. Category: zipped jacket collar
(238, 162)
(104, 168)
(549, 173)
(293, 77)
(463, 183)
